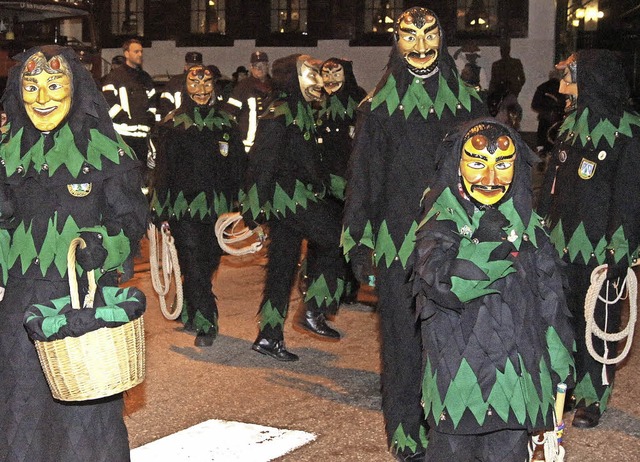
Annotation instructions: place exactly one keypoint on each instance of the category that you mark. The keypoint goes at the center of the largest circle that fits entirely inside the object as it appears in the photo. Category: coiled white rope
(226, 233)
(170, 267)
(598, 278)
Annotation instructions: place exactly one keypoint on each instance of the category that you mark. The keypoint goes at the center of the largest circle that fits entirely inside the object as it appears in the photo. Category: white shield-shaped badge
(79, 189)
(224, 148)
(587, 169)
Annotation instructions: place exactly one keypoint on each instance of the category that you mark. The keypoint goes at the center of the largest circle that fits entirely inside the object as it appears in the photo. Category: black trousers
(199, 256)
(320, 225)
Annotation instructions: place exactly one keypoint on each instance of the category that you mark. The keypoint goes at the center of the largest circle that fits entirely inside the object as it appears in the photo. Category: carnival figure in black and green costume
(199, 163)
(400, 125)
(590, 200)
(67, 173)
(287, 187)
(495, 325)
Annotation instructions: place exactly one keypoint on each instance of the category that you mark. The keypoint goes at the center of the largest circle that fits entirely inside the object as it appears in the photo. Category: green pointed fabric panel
(400, 441)
(217, 119)
(385, 248)
(281, 202)
(511, 392)
(562, 362)
(338, 186)
(585, 391)
(270, 316)
(202, 324)
(63, 153)
(416, 97)
(200, 207)
(578, 128)
(320, 293)
(55, 251)
(5, 241)
(304, 118)
(580, 249)
(335, 109)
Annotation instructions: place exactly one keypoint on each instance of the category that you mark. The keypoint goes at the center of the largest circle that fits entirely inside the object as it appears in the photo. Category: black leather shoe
(273, 348)
(205, 339)
(587, 417)
(317, 324)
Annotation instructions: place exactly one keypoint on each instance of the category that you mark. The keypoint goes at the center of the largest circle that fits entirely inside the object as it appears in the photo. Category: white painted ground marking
(223, 441)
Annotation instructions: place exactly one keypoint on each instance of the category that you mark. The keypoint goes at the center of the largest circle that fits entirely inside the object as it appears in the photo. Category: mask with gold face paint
(46, 90)
(332, 76)
(309, 78)
(418, 38)
(200, 85)
(487, 164)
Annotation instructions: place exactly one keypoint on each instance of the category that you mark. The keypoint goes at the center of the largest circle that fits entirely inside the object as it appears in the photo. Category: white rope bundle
(598, 278)
(170, 267)
(227, 236)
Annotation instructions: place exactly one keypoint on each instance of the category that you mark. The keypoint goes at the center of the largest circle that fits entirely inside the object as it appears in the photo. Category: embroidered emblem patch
(79, 189)
(224, 148)
(562, 156)
(587, 169)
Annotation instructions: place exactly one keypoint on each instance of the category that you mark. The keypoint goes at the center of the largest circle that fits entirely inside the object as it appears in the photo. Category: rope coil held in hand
(227, 234)
(170, 267)
(598, 278)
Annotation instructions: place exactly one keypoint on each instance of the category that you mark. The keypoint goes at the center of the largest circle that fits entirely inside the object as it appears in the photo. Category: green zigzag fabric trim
(197, 208)
(336, 110)
(585, 391)
(281, 201)
(562, 360)
(579, 128)
(338, 186)
(304, 118)
(401, 441)
(385, 250)
(217, 119)
(202, 324)
(319, 292)
(580, 249)
(63, 152)
(511, 392)
(270, 316)
(118, 249)
(5, 242)
(416, 97)
(54, 247)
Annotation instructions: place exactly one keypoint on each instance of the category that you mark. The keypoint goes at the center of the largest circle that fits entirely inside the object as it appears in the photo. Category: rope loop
(226, 233)
(165, 251)
(630, 283)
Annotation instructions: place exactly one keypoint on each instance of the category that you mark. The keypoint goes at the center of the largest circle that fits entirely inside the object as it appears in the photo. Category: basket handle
(73, 279)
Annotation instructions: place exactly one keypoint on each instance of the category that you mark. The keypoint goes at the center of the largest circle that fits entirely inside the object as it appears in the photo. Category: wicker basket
(97, 364)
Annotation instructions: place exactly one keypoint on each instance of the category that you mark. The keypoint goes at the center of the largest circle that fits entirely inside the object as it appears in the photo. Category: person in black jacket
(171, 96)
(287, 186)
(250, 97)
(66, 173)
(199, 165)
(132, 100)
(549, 103)
(590, 201)
(400, 125)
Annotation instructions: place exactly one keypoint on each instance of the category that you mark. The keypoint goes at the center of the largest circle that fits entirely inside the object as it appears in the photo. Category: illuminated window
(380, 16)
(208, 17)
(477, 16)
(289, 16)
(127, 17)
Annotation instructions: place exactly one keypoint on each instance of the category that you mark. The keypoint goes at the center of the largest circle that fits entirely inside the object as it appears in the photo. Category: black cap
(193, 57)
(259, 57)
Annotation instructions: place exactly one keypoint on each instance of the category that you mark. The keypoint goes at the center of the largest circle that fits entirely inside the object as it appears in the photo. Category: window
(208, 17)
(289, 16)
(127, 17)
(477, 16)
(380, 15)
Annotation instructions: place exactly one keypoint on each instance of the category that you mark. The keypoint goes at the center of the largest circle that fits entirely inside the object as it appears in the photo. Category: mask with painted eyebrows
(487, 163)
(332, 76)
(418, 40)
(200, 85)
(47, 90)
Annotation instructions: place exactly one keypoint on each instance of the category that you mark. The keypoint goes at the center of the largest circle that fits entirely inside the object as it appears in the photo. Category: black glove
(361, 260)
(94, 254)
(490, 226)
(616, 270)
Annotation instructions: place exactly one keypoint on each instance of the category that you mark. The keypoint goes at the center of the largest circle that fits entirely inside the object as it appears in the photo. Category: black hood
(89, 110)
(350, 86)
(285, 75)
(448, 173)
(602, 86)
